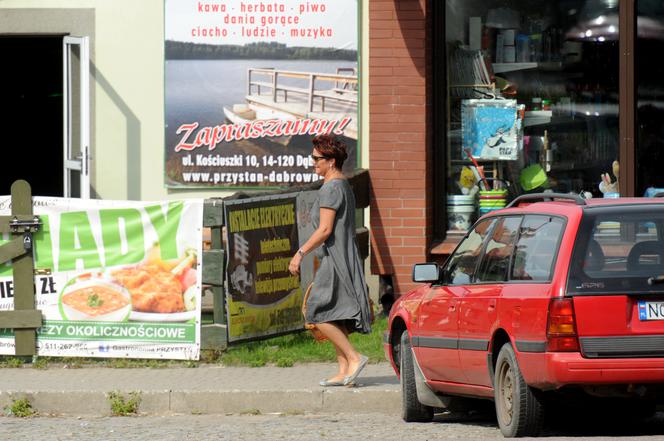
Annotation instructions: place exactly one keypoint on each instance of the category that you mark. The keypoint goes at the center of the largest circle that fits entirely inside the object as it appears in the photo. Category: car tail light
(561, 327)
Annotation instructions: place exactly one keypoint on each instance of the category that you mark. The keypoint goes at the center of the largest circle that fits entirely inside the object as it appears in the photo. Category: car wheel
(411, 409)
(519, 409)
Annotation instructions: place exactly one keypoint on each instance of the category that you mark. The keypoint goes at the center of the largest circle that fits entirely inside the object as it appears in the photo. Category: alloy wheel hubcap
(507, 393)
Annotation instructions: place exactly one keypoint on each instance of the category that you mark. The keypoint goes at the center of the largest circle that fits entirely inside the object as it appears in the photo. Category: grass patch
(283, 351)
(132, 363)
(250, 412)
(210, 355)
(300, 347)
(123, 406)
(20, 408)
(40, 363)
(71, 362)
(11, 362)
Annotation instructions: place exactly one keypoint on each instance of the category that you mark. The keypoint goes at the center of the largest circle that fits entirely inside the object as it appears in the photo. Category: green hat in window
(533, 177)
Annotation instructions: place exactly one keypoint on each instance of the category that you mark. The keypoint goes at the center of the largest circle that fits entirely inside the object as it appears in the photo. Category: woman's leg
(343, 365)
(339, 338)
(341, 358)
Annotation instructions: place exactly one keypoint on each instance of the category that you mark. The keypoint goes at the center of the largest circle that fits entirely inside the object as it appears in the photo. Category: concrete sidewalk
(205, 389)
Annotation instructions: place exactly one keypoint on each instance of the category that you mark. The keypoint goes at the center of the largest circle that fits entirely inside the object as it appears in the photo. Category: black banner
(263, 297)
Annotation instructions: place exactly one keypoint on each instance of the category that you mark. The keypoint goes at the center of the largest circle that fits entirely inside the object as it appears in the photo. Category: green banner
(114, 276)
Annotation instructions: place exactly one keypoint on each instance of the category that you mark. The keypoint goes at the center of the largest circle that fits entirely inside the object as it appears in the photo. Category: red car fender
(405, 309)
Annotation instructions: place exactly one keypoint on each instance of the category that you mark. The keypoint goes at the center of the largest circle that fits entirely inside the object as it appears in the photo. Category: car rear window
(617, 249)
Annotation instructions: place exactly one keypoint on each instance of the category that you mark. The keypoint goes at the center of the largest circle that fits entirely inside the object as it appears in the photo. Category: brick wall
(399, 150)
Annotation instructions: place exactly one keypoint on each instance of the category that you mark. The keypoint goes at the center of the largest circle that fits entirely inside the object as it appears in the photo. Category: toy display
(608, 187)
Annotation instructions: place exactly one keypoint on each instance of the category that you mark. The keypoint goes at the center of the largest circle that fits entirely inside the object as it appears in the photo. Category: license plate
(651, 310)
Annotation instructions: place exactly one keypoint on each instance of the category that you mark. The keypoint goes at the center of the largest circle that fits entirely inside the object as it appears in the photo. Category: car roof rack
(546, 197)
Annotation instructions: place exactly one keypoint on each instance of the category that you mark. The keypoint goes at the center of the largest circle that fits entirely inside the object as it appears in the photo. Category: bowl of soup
(95, 300)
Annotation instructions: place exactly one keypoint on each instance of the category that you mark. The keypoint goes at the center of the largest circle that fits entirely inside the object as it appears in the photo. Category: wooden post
(24, 319)
(249, 81)
(312, 78)
(215, 336)
(274, 86)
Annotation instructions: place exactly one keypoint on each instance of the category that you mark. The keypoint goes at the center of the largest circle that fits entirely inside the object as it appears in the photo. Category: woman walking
(338, 303)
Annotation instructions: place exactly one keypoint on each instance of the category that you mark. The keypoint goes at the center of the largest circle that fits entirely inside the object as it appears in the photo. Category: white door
(76, 112)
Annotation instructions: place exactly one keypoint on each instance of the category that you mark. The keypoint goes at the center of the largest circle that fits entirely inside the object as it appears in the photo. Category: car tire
(411, 409)
(519, 409)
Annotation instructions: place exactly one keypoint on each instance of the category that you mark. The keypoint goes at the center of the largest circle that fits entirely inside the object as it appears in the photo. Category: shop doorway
(32, 135)
(44, 87)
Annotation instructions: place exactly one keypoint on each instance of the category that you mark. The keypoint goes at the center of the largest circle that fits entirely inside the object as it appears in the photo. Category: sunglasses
(318, 158)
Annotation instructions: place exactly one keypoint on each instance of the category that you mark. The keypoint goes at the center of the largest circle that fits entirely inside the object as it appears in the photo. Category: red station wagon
(552, 297)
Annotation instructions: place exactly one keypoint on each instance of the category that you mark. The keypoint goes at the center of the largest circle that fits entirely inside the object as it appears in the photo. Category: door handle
(492, 305)
(452, 308)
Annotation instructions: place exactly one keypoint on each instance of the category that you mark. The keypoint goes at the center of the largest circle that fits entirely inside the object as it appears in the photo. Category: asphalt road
(364, 427)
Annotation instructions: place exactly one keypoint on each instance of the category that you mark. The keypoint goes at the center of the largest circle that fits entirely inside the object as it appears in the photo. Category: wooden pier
(273, 93)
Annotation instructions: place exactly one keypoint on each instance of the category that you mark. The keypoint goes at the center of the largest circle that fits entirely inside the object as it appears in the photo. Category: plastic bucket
(498, 204)
(459, 217)
(492, 200)
(460, 199)
(493, 194)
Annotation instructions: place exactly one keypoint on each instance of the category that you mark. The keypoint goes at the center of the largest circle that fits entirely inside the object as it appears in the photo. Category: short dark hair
(332, 148)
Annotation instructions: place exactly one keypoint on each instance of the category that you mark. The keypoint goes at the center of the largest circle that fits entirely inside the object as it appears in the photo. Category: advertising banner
(263, 297)
(114, 278)
(249, 83)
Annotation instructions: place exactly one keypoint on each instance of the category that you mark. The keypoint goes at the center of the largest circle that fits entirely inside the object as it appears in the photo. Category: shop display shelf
(512, 67)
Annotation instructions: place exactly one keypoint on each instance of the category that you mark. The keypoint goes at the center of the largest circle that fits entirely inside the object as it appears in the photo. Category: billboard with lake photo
(249, 83)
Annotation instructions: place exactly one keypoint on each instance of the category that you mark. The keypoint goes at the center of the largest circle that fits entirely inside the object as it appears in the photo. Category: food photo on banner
(263, 297)
(115, 278)
(248, 84)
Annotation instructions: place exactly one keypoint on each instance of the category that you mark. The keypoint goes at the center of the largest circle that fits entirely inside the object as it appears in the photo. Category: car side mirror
(426, 272)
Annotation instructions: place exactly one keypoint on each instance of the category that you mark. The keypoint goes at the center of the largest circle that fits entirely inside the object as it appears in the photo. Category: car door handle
(492, 305)
(452, 308)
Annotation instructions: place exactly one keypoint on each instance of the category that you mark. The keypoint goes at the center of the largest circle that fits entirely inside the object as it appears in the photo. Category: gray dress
(339, 293)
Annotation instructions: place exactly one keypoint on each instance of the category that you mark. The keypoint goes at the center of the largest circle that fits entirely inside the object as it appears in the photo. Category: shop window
(531, 102)
(649, 81)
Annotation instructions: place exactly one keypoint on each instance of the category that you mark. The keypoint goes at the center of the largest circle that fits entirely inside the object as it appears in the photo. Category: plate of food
(93, 298)
(160, 291)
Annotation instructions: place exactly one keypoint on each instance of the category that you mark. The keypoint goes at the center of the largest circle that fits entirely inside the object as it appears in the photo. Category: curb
(159, 402)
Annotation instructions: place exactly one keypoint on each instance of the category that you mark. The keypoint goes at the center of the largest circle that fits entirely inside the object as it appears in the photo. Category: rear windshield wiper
(655, 280)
